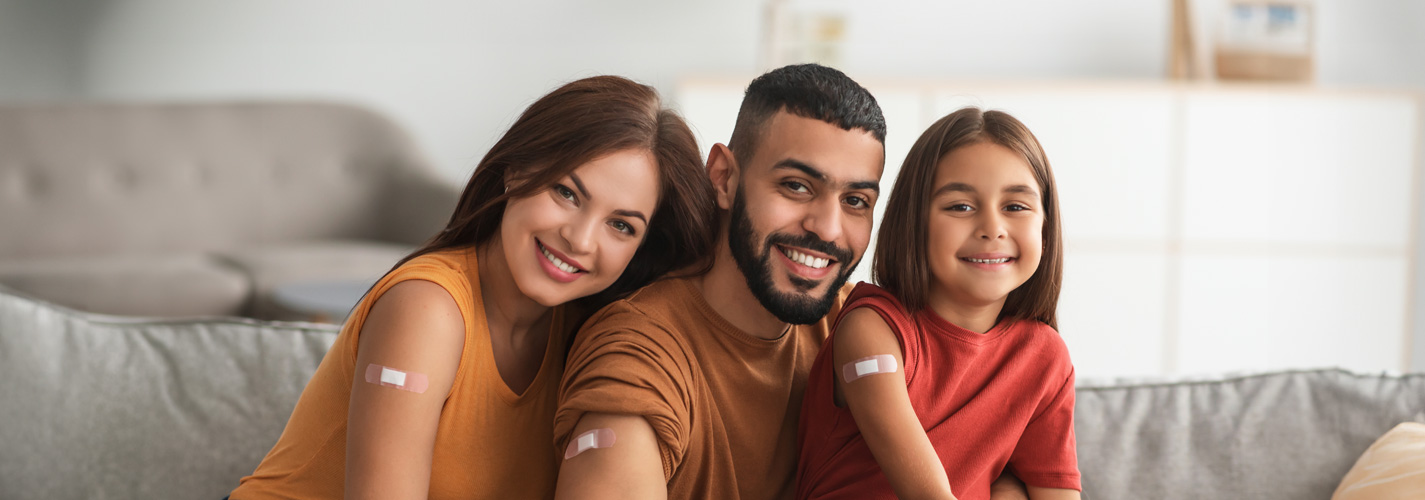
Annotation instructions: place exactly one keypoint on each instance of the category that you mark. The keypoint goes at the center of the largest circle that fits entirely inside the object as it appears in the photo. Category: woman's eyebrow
(580, 184)
(632, 213)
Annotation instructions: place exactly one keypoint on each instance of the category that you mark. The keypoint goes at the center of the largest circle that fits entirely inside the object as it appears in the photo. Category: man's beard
(795, 308)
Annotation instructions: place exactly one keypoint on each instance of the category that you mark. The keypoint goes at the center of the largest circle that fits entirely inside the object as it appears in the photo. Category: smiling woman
(595, 191)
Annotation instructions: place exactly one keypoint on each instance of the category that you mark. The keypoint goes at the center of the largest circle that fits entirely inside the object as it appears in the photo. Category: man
(697, 382)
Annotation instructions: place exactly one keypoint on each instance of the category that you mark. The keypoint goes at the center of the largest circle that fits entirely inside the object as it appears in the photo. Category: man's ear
(724, 171)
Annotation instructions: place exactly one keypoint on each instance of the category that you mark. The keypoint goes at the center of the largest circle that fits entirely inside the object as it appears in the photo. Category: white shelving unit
(1209, 228)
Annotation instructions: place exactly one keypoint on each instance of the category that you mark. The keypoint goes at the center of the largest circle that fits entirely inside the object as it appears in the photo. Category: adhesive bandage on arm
(869, 365)
(396, 379)
(597, 438)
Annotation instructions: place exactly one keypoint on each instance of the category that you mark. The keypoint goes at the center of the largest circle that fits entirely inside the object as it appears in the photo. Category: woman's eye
(564, 192)
(622, 226)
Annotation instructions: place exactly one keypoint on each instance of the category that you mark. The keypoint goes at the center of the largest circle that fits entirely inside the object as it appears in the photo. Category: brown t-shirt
(724, 404)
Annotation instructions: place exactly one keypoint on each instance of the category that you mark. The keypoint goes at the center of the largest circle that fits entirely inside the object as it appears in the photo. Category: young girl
(951, 372)
(443, 382)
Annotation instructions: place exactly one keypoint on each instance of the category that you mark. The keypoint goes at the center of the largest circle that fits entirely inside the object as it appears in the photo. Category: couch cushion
(1288, 435)
(137, 285)
(271, 265)
(106, 407)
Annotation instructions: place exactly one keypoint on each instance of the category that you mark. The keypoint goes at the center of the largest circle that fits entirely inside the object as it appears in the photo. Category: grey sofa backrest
(1288, 436)
(110, 407)
(91, 178)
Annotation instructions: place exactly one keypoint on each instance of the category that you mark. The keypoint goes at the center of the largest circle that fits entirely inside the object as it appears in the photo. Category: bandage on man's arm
(879, 402)
(630, 467)
(406, 359)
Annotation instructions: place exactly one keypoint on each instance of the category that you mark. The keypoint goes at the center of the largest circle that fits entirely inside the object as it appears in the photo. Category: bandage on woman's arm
(881, 406)
(406, 359)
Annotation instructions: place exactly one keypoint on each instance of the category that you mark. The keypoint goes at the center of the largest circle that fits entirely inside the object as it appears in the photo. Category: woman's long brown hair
(902, 264)
(573, 125)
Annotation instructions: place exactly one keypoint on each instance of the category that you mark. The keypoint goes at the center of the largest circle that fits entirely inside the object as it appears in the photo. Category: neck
(970, 315)
(725, 289)
(508, 311)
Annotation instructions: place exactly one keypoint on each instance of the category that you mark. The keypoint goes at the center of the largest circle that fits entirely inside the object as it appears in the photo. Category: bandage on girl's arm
(881, 406)
(406, 358)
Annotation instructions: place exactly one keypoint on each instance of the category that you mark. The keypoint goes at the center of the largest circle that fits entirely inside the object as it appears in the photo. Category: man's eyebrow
(795, 164)
(798, 165)
(580, 184)
(632, 213)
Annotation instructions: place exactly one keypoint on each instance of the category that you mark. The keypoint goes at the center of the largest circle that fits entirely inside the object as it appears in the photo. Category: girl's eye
(959, 207)
(564, 192)
(1017, 208)
(622, 227)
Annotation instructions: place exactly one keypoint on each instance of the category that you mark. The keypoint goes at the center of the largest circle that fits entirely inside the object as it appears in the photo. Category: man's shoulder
(655, 313)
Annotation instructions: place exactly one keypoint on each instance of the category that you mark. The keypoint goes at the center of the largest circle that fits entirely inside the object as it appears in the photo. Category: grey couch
(203, 208)
(99, 406)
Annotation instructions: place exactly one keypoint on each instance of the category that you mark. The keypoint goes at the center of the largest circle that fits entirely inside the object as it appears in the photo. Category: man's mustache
(810, 242)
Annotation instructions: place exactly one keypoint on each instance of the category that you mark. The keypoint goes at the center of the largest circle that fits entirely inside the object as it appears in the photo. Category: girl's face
(986, 225)
(576, 237)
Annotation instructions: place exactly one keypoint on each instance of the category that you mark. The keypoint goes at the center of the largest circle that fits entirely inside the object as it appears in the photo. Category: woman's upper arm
(881, 406)
(415, 329)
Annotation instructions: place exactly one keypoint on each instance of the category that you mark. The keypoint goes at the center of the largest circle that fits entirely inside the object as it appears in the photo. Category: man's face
(801, 216)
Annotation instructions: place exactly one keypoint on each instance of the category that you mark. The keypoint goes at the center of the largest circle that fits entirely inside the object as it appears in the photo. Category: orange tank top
(490, 442)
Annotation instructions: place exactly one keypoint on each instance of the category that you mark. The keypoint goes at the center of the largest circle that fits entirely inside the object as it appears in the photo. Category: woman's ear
(723, 171)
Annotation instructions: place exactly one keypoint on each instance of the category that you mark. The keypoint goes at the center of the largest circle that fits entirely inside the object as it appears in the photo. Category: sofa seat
(272, 265)
(179, 284)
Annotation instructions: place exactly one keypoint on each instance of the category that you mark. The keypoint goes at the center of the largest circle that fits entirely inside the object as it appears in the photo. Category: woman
(442, 383)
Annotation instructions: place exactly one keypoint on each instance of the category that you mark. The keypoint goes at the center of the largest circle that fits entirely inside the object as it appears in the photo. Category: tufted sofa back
(87, 178)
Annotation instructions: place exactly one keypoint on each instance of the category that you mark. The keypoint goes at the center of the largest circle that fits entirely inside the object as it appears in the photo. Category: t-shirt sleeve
(1045, 455)
(623, 363)
(885, 305)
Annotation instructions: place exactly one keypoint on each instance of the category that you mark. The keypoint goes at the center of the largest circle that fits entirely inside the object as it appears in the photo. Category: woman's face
(575, 238)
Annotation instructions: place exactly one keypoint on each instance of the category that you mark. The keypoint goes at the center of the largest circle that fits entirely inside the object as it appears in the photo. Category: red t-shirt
(1004, 398)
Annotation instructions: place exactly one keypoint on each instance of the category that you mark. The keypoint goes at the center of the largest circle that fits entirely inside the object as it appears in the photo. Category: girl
(951, 371)
(442, 384)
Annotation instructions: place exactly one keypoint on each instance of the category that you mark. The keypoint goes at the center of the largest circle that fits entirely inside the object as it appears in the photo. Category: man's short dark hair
(809, 91)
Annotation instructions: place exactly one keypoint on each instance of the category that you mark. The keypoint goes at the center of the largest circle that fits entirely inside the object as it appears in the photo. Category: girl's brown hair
(902, 264)
(573, 125)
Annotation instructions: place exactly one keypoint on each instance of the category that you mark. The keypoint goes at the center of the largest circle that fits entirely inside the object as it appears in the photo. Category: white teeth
(988, 261)
(558, 263)
(805, 260)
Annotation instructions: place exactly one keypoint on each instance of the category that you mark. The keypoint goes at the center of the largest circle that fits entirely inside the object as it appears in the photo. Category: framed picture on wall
(1266, 40)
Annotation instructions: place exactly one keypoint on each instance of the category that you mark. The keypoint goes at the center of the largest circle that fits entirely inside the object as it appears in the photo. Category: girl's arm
(882, 409)
(416, 328)
(1037, 493)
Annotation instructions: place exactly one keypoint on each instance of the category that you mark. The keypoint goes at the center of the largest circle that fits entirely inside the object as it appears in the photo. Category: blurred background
(1240, 179)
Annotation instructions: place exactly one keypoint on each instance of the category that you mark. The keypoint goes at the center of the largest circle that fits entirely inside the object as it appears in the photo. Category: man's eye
(796, 186)
(858, 202)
